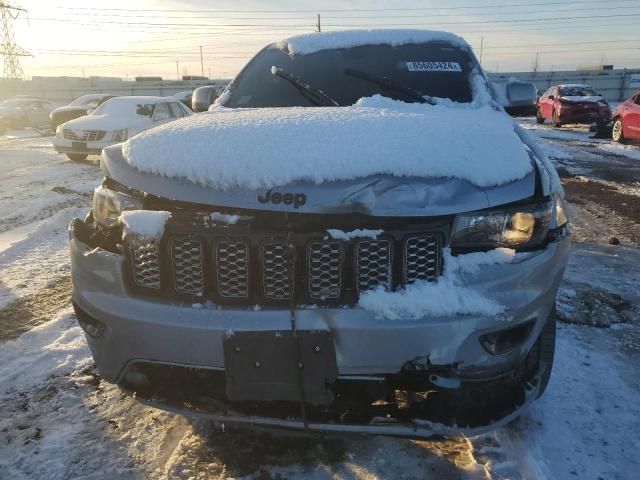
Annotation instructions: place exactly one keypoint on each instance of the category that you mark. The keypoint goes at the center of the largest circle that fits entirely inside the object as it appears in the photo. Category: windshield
(432, 69)
(577, 92)
(86, 100)
(125, 106)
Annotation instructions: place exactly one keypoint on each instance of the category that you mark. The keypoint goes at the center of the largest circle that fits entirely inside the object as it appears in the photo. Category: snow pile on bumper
(445, 296)
(144, 223)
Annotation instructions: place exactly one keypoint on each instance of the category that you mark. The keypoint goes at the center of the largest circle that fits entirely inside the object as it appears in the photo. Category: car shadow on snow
(256, 454)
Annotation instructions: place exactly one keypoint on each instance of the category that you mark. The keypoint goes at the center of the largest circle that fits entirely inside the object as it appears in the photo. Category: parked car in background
(203, 98)
(573, 103)
(116, 120)
(185, 97)
(24, 112)
(518, 98)
(626, 120)
(78, 108)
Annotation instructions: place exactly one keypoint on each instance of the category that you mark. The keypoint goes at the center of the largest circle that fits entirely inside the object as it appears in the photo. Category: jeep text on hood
(355, 238)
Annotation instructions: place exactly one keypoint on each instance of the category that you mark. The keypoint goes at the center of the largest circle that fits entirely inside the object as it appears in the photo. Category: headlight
(59, 130)
(119, 135)
(520, 228)
(108, 204)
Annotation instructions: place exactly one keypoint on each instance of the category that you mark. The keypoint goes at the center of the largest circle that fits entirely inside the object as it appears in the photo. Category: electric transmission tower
(10, 51)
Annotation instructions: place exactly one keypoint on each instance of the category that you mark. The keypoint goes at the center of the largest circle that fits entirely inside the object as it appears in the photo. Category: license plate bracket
(79, 146)
(264, 366)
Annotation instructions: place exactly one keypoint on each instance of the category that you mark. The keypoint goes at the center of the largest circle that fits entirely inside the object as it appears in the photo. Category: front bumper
(580, 116)
(63, 145)
(139, 330)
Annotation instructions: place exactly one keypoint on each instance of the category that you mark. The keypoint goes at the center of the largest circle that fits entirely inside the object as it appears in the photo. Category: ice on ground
(358, 233)
(144, 223)
(315, 42)
(325, 144)
(630, 151)
(445, 296)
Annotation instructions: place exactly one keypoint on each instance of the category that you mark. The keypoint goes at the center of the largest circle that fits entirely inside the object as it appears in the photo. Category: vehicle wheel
(556, 119)
(77, 157)
(539, 118)
(547, 350)
(616, 131)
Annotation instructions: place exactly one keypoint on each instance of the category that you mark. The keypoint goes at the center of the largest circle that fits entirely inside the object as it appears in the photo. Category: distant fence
(614, 85)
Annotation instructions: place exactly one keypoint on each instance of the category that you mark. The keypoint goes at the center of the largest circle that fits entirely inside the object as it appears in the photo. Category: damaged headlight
(108, 204)
(520, 227)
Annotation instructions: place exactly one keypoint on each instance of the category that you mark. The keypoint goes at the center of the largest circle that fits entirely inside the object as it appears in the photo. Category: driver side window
(162, 112)
(637, 99)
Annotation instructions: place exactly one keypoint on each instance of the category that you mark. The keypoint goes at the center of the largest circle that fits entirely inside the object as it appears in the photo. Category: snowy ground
(59, 420)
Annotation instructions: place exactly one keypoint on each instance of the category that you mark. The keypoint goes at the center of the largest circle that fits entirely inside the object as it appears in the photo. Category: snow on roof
(315, 42)
(269, 147)
(579, 85)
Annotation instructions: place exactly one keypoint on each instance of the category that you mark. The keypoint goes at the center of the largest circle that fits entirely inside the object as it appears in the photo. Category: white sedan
(115, 121)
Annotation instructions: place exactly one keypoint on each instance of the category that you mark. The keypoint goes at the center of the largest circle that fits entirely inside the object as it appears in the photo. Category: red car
(573, 104)
(626, 120)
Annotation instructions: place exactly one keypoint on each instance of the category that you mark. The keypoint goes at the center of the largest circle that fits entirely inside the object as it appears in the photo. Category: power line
(459, 7)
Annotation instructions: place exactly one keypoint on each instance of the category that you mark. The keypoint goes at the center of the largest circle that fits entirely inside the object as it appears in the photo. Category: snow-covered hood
(69, 108)
(389, 159)
(107, 122)
(578, 99)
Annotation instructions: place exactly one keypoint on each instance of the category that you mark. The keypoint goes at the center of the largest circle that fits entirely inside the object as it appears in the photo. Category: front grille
(373, 264)
(232, 259)
(325, 270)
(187, 261)
(251, 269)
(421, 258)
(277, 271)
(83, 135)
(145, 259)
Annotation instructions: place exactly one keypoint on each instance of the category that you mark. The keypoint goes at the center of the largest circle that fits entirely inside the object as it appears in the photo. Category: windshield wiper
(315, 96)
(391, 85)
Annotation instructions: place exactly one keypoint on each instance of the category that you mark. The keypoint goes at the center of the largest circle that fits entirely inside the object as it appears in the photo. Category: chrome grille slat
(232, 260)
(83, 135)
(145, 258)
(421, 258)
(187, 263)
(327, 267)
(373, 264)
(325, 270)
(277, 271)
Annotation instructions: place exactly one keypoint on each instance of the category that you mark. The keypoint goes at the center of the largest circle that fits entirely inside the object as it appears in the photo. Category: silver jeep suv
(247, 306)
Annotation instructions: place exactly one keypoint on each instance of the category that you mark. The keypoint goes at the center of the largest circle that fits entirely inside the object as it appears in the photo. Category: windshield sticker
(433, 67)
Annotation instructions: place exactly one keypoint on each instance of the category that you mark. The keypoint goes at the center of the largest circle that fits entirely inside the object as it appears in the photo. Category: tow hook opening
(503, 341)
(92, 326)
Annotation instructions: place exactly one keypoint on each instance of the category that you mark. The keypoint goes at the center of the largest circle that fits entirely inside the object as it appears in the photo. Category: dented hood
(377, 195)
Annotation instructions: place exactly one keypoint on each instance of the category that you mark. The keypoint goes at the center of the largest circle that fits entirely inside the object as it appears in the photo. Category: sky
(164, 38)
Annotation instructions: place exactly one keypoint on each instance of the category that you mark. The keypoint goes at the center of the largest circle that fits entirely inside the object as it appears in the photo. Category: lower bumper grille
(281, 270)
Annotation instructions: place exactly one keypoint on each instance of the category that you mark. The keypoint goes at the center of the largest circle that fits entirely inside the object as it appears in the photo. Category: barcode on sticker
(433, 67)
